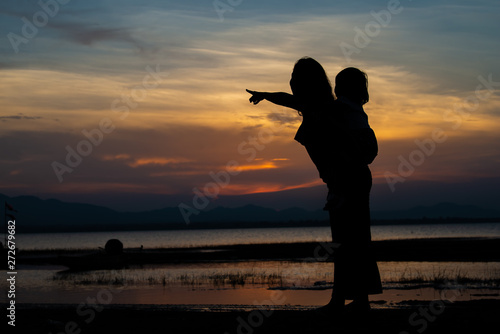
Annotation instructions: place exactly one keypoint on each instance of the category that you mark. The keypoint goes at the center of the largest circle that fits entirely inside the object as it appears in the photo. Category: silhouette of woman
(341, 144)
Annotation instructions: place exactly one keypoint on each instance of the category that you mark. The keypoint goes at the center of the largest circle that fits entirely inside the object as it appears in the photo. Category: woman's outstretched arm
(282, 99)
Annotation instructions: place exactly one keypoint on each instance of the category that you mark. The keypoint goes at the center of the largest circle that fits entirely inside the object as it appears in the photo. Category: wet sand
(408, 317)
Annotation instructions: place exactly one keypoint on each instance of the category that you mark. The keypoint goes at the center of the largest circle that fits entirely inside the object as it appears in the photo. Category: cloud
(19, 116)
(88, 35)
(157, 161)
(421, 65)
(460, 157)
(166, 160)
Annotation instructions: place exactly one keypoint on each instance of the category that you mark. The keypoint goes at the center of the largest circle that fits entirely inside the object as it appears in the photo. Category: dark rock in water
(113, 247)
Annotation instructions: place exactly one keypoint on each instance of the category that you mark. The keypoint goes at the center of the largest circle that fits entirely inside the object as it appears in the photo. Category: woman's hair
(353, 84)
(310, 83)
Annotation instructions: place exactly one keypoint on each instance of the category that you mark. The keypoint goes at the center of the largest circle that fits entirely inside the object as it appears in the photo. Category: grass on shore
(445, 277)
(437, 279)
(217, 280)
(233, 279)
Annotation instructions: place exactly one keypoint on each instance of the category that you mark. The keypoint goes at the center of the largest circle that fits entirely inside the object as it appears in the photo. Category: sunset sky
(151, 97)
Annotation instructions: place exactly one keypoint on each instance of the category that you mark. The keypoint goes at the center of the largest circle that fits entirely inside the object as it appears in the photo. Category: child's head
(353, 84)
(309, 80)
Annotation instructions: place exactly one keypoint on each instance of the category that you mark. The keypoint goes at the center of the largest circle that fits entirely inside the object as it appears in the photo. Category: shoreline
(424, 249)
(181, 226)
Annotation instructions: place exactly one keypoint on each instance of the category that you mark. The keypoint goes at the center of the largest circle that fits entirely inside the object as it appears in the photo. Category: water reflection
(201, 238)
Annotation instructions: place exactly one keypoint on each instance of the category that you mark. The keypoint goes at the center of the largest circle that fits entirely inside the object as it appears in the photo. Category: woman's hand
(279, 98)
(256, 96)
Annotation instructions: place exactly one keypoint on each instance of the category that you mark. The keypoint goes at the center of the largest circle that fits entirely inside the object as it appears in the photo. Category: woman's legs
(356, 272)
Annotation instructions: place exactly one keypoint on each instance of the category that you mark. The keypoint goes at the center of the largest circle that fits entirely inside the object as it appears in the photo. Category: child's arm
(282, 99)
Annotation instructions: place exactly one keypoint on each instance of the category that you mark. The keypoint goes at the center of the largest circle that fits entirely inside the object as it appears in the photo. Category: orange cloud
(245, 189)
(145, 161)
(157, 161)
(264, 165)
(116, 157)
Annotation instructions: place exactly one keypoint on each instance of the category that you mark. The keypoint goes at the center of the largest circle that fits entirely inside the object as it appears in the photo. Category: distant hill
(37, 215)
(441, 210)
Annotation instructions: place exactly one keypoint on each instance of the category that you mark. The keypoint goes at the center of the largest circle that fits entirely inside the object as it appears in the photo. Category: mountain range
(37, 215)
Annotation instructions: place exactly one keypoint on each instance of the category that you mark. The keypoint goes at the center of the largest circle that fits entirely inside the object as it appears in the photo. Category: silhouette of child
(356, 272)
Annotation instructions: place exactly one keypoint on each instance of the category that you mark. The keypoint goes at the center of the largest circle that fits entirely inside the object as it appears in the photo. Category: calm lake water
(210, 283)
(239, 283)
(196, 238)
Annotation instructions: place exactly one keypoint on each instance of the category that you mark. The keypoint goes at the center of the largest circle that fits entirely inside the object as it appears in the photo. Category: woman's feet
(357, 307)
(333, 307)
(360, 307)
